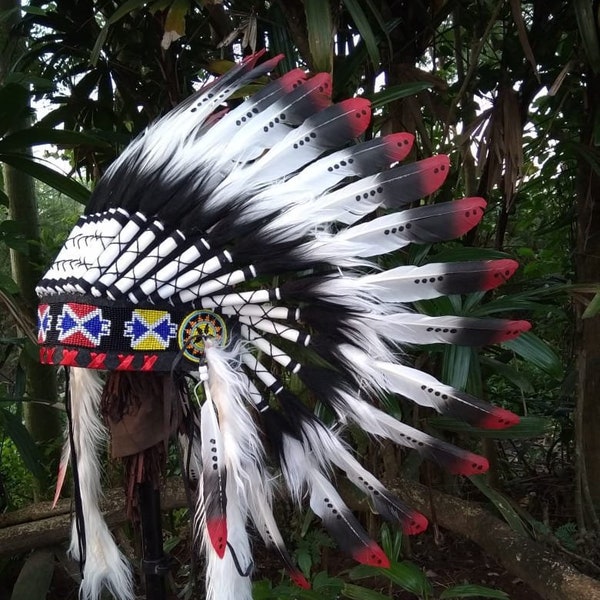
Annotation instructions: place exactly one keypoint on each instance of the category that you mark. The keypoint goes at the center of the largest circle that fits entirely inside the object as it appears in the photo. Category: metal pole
(155, 563)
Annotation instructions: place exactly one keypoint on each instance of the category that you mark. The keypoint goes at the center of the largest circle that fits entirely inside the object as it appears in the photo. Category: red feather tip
(499, 272)
(372, 555)
(500, 418)
(433, 172)
(299, 580)
(472, 213)
(512, 330)
(360, 117)
(416, 523)
(399, 145)
(217, 532)
(471, 464)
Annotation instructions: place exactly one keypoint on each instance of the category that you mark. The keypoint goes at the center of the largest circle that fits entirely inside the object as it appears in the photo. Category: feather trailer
(168, 269)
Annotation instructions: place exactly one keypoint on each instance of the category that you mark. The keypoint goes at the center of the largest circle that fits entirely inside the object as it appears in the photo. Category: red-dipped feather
(498, 418)
(499, 272)
(426, 224)
(432, 173)
(428, 391)
(299, 580)
(214, 478)
(398, 145)
(468, 464)
(372, 555)
(415, 328)
(358, 113)
(469, 211)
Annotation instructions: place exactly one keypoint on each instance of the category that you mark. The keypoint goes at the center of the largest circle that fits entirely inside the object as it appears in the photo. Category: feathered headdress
(235, 250)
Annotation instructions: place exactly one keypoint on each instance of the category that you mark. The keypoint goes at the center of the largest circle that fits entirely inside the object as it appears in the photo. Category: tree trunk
(587, 263)
(42, 421)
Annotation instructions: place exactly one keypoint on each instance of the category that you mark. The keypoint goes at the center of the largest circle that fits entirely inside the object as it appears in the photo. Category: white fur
(105, 566)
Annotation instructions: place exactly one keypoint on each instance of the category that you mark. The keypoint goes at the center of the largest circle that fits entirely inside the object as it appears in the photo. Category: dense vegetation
(509, 89)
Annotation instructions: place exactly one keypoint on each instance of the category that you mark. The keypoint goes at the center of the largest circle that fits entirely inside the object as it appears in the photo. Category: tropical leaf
(28, 451)
(593, 308)
(404, 574)
(357, 592)
(35, 577)
(14, 103)
(319, 26)
(537, 352)
(469, 590)
(38, 136)
(364, 28)
(502, 504)
(508, 372)
(396, 92)
(527, 428)
(53, 178)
